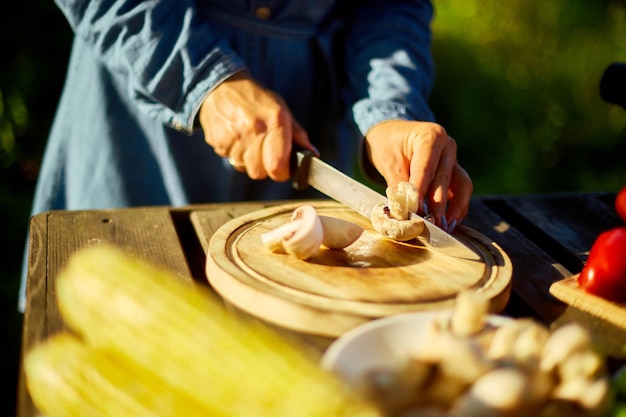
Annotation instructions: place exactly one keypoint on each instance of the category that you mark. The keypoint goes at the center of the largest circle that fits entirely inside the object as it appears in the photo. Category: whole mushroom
(392, 219)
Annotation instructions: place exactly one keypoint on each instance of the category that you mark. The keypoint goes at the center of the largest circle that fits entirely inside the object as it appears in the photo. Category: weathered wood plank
(563, 225)
(145, 233)
(534, 270)
(35, 324)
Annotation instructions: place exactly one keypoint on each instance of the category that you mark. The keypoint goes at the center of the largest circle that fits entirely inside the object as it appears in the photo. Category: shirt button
(263, 12)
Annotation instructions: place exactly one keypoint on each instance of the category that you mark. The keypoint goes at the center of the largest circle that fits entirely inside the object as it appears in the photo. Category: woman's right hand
(253, 127)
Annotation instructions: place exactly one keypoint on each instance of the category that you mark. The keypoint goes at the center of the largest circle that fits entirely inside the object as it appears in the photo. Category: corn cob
(187, 342)
(68, 378)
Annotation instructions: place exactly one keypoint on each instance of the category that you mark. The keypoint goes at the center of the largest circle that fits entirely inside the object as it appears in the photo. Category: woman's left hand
(423, 154)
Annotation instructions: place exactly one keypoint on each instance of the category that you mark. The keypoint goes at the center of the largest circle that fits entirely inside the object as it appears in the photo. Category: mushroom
(470, 313)
(402, 199)
(339, 233)
(395, 389)
(300, 237)
(401, 230)
(520, 342)
(500, 392)
(590, 394)
(581, 364)
(392, 219)
(563, 342)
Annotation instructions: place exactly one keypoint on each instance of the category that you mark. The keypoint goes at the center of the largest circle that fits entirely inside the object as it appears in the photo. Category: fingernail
(452, 225)
(425, 207)
(444, 223)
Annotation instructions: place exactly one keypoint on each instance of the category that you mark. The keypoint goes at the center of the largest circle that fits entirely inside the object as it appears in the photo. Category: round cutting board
(337, 290)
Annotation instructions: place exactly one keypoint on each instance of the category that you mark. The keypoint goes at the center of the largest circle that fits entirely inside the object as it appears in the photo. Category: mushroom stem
(339, 233)
(301, 237)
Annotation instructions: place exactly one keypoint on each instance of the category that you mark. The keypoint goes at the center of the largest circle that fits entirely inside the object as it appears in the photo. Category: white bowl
(384, 343)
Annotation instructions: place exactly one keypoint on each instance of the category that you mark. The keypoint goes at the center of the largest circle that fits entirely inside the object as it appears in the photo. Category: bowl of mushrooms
(465, 362)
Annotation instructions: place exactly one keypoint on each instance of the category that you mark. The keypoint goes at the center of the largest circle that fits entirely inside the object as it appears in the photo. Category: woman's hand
(423, 154)
(251, 126)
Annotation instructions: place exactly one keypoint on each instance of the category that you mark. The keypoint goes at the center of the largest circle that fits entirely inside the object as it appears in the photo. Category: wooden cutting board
(337, 290)
(605, 320)
(568, 291)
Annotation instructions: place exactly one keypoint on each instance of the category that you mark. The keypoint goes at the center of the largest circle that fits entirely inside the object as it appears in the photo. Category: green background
(517, 86)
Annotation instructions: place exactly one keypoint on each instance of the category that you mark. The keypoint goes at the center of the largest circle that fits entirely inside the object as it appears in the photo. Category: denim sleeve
(389, 63)
(165, 57)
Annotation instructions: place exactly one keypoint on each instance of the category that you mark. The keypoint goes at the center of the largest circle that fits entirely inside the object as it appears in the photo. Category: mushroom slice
(401, 230)
(339, 233)
(301, 237)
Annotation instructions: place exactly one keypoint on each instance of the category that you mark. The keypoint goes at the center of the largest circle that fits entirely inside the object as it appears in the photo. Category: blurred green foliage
(518, 88)
(35, 42)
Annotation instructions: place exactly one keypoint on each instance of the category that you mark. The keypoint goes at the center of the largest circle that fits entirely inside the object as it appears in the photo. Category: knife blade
(312, 171)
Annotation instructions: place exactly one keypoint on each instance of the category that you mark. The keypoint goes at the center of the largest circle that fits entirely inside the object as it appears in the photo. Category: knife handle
(300, 164)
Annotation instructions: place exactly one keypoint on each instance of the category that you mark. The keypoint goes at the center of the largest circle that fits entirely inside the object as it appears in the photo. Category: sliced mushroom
(564, 341)
(497, 393)
(582, 364)
(301, 237)
(598, 397)
(339, 233)
(470, 313)
(593, 395)
(401, 230)
(529, 345)
(505, 337)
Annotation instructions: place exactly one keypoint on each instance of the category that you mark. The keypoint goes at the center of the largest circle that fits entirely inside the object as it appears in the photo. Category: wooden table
(547, 237)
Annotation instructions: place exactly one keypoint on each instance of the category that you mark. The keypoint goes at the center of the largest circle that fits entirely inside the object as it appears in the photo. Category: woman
(174, 102)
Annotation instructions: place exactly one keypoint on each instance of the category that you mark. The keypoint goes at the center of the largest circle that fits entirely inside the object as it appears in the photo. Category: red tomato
(620, 204)
(604, 274)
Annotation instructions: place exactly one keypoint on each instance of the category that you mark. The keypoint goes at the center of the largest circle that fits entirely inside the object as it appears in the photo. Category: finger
(460, 195)
(438, 190)
(438, 198)
(236, 158)
(276, 151)
(237, 165)
(423, 167)
(253, 157)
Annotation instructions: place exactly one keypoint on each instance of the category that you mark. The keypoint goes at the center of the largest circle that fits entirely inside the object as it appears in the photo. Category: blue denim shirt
(125, 132)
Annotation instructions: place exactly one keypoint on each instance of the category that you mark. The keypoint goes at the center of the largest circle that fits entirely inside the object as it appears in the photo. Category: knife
(312, 171)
